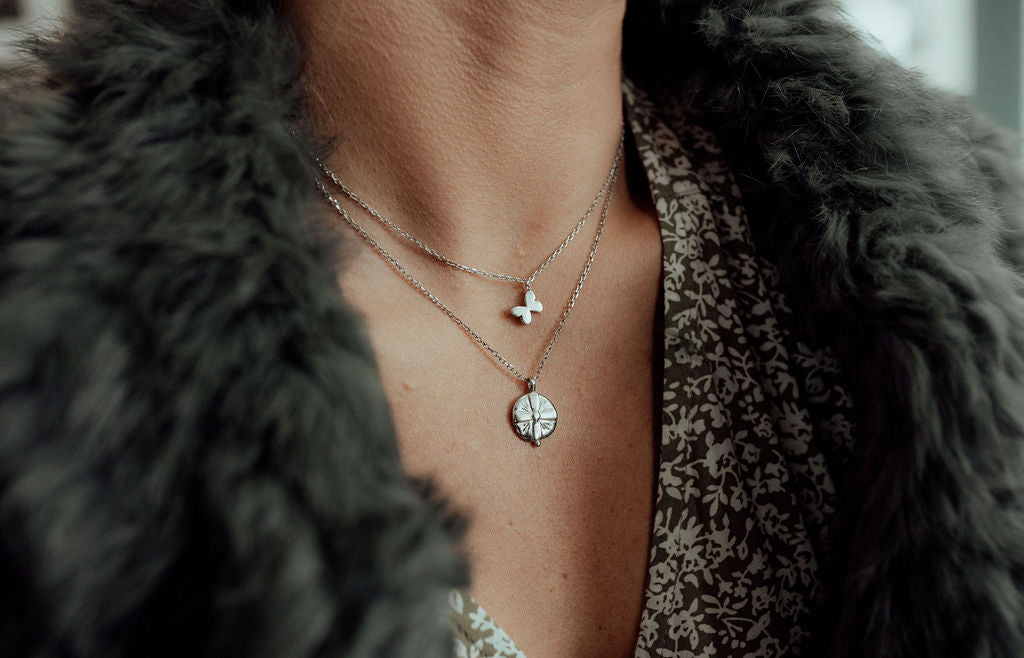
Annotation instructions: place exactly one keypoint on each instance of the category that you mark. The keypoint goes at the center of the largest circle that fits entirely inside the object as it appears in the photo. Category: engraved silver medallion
(534, 417)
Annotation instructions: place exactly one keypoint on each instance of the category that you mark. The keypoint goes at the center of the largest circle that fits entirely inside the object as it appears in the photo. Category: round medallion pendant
(534, 417)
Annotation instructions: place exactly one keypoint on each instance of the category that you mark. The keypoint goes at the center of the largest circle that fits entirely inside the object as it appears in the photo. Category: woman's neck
(476, 124)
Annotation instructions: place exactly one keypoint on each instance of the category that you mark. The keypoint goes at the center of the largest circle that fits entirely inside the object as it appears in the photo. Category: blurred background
(972, 47)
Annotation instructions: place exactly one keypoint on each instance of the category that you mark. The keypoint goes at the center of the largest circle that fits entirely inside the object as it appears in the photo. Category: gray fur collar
(236, 452)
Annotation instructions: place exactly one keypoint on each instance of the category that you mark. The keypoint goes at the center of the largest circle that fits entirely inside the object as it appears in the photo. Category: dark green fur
(196, 457)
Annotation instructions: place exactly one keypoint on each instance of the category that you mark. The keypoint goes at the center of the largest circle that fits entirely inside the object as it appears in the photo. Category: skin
(485, 128)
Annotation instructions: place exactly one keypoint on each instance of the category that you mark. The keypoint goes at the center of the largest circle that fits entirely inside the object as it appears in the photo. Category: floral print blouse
(754, 420)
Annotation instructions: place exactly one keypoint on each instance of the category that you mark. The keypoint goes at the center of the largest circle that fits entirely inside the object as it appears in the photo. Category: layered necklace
(533, 416)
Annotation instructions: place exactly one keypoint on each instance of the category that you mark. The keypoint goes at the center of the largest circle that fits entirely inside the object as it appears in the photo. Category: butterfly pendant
(529, 307)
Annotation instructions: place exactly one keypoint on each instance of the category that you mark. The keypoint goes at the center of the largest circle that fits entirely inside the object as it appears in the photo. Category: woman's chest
(558, 535)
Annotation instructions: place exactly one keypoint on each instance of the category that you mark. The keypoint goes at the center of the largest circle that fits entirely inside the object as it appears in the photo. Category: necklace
(530, 304)
(533, 416)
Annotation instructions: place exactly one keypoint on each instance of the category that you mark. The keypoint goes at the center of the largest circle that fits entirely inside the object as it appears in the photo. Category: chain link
(607, 192)
(526, 280)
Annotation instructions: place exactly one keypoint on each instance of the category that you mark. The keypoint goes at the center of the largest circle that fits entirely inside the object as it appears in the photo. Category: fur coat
(196, 457)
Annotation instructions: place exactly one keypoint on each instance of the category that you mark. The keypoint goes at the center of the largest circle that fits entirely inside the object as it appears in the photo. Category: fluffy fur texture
(898, 229)
(196, 457)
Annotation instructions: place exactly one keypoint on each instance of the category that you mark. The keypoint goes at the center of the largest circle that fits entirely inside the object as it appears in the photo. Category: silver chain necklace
(533, 416)
(531, 304)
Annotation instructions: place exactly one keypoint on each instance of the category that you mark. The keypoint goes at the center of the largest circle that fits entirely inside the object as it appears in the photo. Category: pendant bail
(532, 383)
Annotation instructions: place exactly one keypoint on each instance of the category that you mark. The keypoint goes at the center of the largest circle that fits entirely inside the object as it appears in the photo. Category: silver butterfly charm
(529, 307)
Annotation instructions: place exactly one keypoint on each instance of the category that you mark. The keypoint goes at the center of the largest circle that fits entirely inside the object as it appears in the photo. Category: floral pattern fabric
(754, 422)
(476, 634)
